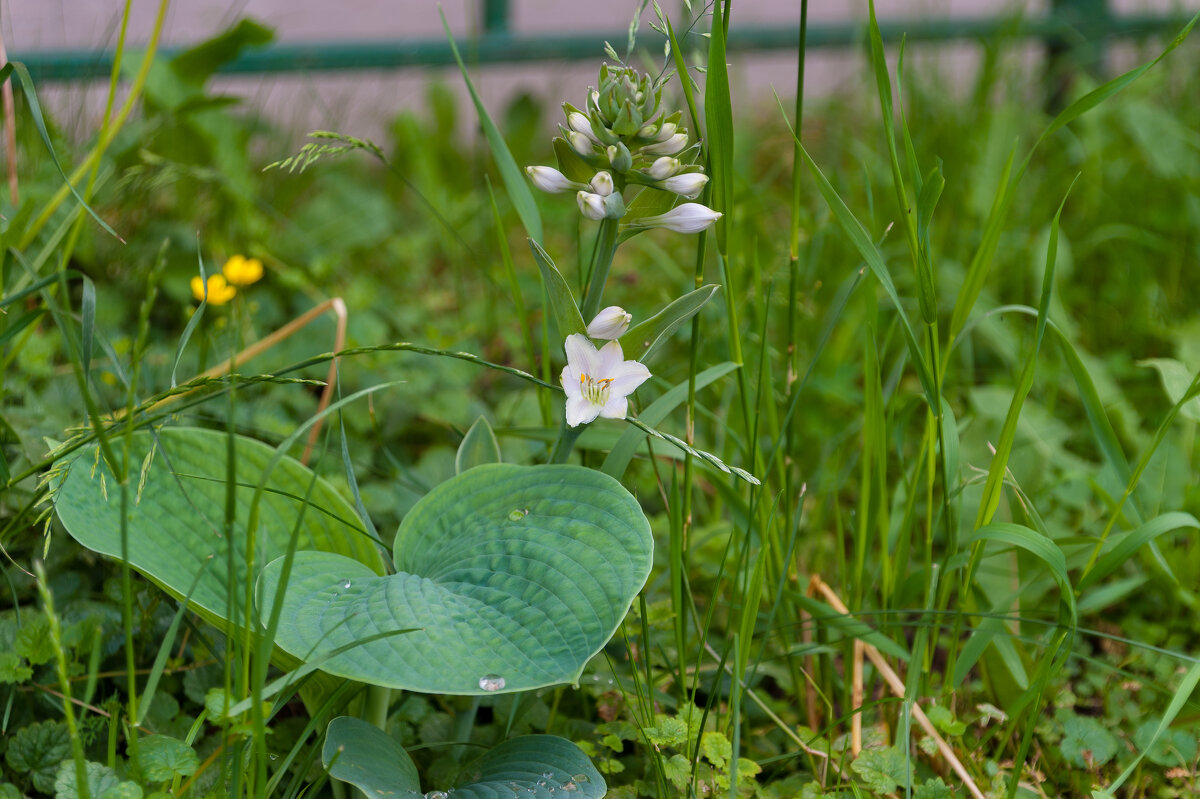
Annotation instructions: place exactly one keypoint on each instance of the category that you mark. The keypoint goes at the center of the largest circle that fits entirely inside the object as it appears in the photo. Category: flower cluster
(221, 288)
(598, 382)
(626, 138)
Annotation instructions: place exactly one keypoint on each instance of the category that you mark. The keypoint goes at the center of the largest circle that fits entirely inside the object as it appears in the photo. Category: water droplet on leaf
(580, 778)
(436, 795)
(518, 514)
(491, 682)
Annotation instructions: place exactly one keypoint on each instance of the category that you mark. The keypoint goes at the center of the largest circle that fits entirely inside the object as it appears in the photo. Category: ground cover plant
(846, 453)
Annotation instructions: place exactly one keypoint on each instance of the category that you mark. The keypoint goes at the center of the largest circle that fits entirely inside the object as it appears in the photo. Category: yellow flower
(219, 291)
(242, 271)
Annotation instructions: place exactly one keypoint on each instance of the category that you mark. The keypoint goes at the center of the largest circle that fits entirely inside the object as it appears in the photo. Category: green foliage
(886, 413)
(540, 765)
(1086, 743)
(883, 770)
(102, 783)
(178, 513)
(162, 758)
(37, 749)
(508, 578)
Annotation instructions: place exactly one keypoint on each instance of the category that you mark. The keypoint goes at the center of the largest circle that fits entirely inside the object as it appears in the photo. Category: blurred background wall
(362, 101)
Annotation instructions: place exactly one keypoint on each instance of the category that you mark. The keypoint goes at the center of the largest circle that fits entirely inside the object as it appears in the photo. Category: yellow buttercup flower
(219, 291)
(242, 271)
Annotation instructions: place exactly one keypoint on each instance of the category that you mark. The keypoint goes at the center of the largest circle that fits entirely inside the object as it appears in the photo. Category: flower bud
(648, 131)
(579, 123)
(614, 206)
(619, 157)
(663, 167)
(686, 218)
(550, 180)
(591, 205)
(580, 143)
(602, 184)
(668, 146)
(688, 185)
(667, 131)
(610, 324)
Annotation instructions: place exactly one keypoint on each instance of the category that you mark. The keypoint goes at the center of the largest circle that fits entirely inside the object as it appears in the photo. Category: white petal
(611, 358)
(627, 377)
(615, 408)
(580, 411)
(582, 357)
(570, 381)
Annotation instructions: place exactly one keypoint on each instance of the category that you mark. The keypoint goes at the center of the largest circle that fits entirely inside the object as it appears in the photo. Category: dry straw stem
(338, 306)
(817, 586)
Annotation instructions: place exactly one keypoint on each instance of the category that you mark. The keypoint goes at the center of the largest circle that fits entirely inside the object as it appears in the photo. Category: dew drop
(517, 514)
(436, 795)
(491, 682)
(570, 786)
(345, 584)
(547, 775)
(580, 778)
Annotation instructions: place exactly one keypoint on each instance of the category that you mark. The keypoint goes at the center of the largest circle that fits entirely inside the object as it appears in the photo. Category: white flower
(610, 324)
(602, 184)
(663, 167)
(666, 131)
(591, 205)
(688, 185)
(549, 179)
(669, 146)
(686, 218)
(598, 382)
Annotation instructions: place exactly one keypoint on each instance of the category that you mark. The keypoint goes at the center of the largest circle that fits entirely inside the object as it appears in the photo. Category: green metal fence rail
(1066, 26)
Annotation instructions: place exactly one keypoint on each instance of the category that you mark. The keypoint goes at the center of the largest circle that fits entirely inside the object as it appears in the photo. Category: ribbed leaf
(529, 767)
(176, 517)
(510, 578)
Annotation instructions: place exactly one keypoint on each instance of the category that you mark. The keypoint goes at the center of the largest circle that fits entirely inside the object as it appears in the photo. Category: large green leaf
(509, 578)
(531, 766)
(177, 512)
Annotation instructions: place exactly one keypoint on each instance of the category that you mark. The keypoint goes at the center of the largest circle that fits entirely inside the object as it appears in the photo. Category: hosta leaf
(528, 767)
(176, 516)
(509, 578)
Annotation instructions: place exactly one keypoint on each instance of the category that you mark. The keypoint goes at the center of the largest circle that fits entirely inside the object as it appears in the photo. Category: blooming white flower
(610, 324)
(663, 167)
(686, 218)
(668, 146)
(591, 205)
(549, 179)
(603, 184)
(598, 382)
(688, 185)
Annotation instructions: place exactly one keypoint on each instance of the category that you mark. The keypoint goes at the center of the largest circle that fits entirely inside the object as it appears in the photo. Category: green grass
(950, 411)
